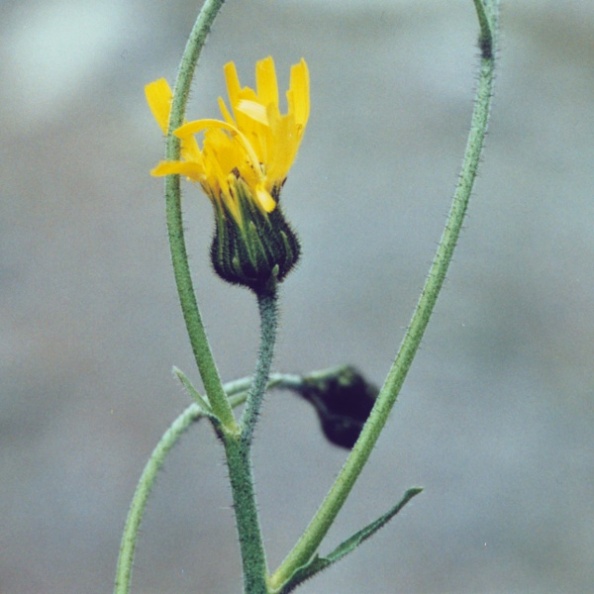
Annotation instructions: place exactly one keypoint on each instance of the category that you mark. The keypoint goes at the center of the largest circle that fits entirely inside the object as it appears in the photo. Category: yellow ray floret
(253, 146)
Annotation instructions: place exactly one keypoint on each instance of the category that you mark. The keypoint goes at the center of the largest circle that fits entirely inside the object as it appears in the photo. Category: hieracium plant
(241, 162)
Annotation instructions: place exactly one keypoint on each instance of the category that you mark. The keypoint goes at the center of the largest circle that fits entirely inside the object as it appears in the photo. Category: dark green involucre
(258, 250)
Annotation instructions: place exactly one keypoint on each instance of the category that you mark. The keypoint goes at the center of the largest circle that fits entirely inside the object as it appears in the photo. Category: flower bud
(343, 401)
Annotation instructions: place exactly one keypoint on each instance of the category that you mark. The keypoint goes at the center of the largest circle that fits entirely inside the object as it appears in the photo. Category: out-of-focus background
(496, 418)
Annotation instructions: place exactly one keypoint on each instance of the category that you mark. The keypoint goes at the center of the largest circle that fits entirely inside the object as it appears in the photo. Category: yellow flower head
(242, 165)
(253, 147)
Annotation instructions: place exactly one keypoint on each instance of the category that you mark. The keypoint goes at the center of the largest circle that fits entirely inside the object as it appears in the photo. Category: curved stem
(143, 489)
(237, 392)
(195, 327)
(320, 524)
(237, 395)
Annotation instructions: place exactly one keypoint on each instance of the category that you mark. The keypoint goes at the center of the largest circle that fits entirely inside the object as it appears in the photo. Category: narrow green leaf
(354, 541)
(192, 392)
(317, 563)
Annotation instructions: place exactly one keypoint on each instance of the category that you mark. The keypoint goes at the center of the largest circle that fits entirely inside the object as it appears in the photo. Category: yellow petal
(249, 150)
(298, 93)
(266, 81)
(189, 169)
(196, 126)
(158, 96)
(232, 80)
(226, 115)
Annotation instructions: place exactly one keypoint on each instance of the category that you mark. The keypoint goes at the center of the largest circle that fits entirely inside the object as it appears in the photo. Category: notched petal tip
(266, 83)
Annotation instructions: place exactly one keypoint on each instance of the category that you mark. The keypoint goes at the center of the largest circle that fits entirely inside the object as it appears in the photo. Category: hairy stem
(253, 556)
(267, 306)
(325, 516)
(238, 451)
(237, 392)
(143, 489)
(179, 257)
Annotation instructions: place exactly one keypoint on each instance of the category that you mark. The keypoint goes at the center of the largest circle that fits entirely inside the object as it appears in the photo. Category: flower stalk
(267, 304)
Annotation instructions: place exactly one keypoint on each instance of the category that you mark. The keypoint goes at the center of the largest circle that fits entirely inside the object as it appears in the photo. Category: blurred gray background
(496, 418)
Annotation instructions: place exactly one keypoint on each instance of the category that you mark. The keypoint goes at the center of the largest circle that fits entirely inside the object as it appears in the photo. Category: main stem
(325, 516)
(253, 556)
(238, 451)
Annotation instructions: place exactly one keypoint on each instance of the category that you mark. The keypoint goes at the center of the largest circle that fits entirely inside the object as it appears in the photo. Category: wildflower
(242, 165)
